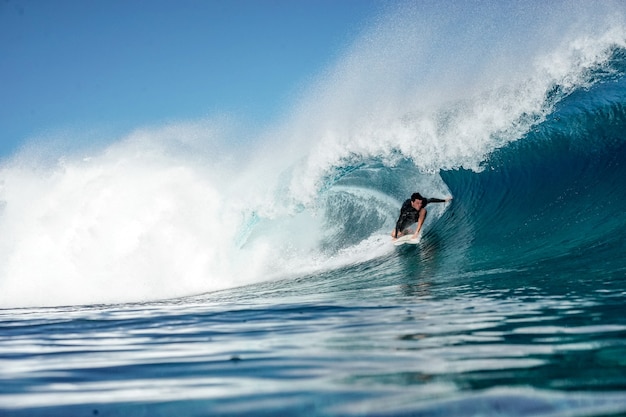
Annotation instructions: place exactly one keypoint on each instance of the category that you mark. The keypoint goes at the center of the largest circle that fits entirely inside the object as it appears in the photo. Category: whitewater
(197, 269)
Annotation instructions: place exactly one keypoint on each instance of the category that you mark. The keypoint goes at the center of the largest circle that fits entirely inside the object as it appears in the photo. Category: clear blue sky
(121, 64)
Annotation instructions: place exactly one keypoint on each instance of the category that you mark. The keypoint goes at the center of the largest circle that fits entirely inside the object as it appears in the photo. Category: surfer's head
(416, 196)
(417, 201)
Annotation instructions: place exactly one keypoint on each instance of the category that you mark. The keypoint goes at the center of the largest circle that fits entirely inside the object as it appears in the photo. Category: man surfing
(413, 211)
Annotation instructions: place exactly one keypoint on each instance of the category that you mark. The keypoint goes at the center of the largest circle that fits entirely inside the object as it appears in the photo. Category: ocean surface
(179, 272)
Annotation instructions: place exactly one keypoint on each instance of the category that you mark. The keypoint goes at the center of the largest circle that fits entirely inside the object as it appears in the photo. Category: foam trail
(184, 209)
(141, 220)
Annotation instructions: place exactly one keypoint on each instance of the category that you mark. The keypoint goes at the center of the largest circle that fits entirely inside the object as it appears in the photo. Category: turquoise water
(366, 343)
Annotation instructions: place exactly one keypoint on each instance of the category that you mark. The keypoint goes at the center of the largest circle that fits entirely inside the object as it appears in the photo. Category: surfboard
(406, 240)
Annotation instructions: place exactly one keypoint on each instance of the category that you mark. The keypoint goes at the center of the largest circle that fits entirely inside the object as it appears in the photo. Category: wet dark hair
(416, 196)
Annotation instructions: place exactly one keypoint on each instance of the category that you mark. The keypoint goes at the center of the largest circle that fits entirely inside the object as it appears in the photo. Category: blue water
(134, 281)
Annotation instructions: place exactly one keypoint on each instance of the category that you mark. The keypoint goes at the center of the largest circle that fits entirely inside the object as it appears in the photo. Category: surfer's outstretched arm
(439, 200)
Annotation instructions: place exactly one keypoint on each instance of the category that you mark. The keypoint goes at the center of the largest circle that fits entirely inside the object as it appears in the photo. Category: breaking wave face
(482, 102)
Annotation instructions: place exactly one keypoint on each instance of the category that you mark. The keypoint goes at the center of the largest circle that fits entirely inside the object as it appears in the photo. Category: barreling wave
(526, 135)
(557, 194)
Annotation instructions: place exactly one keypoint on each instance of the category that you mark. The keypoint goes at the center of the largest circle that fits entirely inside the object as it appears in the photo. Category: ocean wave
(525, 134)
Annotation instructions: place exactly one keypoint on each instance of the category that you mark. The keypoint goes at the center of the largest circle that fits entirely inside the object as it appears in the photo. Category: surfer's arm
(420, 223)
(398, 226)
(404, 212)
(439, 200)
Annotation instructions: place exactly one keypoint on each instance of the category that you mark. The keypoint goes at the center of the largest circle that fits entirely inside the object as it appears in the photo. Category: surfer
(413, 211)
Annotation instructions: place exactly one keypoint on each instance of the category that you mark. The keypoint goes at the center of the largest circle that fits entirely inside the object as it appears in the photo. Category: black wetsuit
(408, 215)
